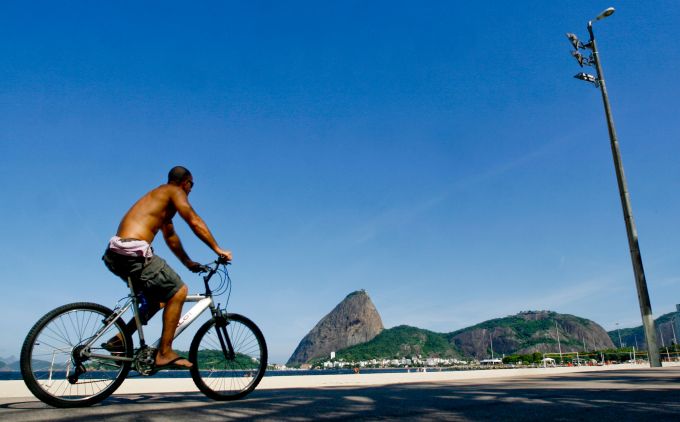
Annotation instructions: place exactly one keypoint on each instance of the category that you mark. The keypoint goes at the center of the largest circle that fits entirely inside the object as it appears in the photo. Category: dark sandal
(172, 364)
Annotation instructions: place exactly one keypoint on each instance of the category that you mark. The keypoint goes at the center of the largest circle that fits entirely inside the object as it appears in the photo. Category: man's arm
(176, 247)
(198, 226)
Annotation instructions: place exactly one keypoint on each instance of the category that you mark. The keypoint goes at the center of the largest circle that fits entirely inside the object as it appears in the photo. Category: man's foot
(177, 363)
(172, 361)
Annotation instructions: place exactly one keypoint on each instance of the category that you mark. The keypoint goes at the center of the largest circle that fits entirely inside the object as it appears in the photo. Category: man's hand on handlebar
(224, 254)
(195, 267)
(199, 268)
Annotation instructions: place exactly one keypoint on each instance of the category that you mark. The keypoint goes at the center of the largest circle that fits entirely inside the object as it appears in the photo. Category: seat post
(135, 312)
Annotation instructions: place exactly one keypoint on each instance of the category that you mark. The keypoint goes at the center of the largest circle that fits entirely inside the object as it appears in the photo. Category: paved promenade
(616, 393)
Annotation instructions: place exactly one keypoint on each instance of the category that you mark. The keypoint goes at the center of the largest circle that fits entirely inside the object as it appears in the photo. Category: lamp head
(588, 78)
(607, 12)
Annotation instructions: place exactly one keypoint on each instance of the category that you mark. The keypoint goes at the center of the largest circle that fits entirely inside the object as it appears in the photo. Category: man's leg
(171, 315)
(151, 310)
(115, 343)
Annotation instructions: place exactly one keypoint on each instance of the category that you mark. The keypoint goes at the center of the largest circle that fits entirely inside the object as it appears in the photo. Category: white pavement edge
(9, 389)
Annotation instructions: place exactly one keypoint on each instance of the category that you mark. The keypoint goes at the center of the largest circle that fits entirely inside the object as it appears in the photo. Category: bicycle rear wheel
(223, 377)
(51, 356)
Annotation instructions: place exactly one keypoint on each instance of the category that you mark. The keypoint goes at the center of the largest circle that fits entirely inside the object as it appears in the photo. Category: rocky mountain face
(529, 332)
(355, 320)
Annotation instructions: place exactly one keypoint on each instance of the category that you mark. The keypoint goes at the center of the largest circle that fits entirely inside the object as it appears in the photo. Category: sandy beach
(17, 388)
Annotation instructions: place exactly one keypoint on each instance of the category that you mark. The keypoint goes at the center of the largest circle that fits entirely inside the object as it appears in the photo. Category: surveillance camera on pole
(582, 61)
(574, 41)
(578, 57)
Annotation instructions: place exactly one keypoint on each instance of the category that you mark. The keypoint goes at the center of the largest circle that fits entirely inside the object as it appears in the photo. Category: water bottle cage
(143, 308)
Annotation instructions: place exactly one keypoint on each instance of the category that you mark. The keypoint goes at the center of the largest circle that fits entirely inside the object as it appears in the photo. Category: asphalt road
(620, 395)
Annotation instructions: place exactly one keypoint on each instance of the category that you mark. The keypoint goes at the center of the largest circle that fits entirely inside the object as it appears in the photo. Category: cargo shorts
(152, 276)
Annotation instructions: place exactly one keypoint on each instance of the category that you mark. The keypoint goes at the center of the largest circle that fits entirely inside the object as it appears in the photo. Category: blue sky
(437, 154)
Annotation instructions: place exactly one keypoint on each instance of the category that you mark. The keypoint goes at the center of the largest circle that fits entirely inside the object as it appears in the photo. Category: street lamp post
(640, 281)
(584, 344)
(559, 346)
(491, 340)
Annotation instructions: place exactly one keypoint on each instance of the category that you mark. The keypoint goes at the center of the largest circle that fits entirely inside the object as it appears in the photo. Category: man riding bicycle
(129, 254)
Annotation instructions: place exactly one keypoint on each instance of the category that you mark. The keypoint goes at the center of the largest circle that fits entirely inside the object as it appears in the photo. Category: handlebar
(207, 268)
(210, 269)
(203, 269)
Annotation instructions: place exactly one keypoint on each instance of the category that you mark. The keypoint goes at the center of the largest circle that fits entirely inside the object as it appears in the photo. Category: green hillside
(401, 342)
(523, 328)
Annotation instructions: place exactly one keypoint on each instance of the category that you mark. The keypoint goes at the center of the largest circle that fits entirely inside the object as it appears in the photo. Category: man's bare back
(150, 213)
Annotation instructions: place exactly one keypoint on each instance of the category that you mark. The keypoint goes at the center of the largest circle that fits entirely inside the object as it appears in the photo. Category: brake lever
(223, 260)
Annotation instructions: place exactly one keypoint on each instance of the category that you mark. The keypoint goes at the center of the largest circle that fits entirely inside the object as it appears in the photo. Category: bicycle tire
(47, 356)
(225, 379)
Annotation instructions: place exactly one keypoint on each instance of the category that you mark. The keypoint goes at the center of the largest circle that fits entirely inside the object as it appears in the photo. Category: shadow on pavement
(613, 395)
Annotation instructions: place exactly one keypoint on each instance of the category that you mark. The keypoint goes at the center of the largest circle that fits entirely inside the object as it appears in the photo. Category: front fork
(221, 324)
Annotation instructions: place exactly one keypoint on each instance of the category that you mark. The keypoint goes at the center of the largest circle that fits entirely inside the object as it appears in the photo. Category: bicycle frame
(203, 302)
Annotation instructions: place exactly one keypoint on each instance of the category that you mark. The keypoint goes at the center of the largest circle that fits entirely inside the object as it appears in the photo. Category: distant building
(548, 362)
(491, 362)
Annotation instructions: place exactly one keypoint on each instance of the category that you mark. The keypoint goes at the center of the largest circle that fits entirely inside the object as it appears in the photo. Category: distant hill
(9, 363)
(353, 321)
(354, 331)
(524, 333)
(636, 336)
(529, 332)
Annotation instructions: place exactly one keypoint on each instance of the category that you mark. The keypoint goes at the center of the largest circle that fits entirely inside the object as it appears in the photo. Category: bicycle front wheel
(54, 366)
(222, 375)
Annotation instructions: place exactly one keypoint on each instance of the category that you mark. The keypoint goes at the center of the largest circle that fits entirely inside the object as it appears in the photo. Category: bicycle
(65, 364)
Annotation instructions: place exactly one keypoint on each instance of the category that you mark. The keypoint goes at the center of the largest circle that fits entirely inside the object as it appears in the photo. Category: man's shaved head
(178, 175)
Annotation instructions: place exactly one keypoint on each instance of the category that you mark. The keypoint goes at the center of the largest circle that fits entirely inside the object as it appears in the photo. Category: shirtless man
(129, 254)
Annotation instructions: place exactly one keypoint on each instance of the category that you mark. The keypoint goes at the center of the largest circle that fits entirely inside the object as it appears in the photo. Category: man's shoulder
(166, 189)
(163, 193)
(170, 193)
